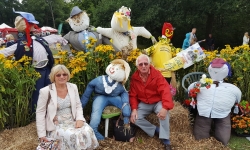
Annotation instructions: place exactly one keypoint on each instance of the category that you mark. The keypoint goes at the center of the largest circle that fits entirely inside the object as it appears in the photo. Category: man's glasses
(141, 64)
(59, 75)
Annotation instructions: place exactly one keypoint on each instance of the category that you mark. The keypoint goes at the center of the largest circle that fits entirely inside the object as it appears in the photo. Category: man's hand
(133, 116)
(153, 39)
(43, 139)
(79, 123)
(162, 114)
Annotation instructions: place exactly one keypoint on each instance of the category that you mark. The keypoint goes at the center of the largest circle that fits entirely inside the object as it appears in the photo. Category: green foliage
(226, 20)
(238, 143)
(103, 11)
(16, 87)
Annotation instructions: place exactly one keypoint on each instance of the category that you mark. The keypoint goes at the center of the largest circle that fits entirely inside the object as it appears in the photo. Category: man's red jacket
(154, 90)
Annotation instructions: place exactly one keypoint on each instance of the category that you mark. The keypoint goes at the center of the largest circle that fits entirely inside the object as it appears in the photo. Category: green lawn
(238, 143)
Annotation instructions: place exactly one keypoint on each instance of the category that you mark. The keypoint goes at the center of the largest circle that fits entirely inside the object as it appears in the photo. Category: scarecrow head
(118, 70)
(78, 20)
(219, 69)
(120, 21)
(26, 23)
(167, 30)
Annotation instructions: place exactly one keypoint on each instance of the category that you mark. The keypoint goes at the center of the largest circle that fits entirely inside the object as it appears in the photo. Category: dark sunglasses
(141, 64)
(59, 75)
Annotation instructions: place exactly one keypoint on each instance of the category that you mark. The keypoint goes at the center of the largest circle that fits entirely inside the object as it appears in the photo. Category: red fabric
(27, 31)
(156, 89)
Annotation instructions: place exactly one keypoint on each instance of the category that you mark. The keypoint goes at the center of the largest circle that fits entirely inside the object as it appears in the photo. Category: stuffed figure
(34, 47)
(214, 104)
(109, 90)
(79, 38)
(160, 53)
(123, 35)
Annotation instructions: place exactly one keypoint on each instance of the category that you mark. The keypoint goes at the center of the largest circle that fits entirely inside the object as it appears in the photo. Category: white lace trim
(108, 89)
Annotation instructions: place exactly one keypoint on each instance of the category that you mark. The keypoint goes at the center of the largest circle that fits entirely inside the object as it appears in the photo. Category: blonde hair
(9, 37)
(20, 24)
(56, 69)
(141, 56)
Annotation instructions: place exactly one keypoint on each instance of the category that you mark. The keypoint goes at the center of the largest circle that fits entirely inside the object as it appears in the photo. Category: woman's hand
(79, 123)
(43, 139)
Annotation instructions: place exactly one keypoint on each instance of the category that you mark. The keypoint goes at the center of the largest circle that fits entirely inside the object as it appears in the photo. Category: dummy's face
(143, 65)
(121, 20)
(79, 22)
(116, 72)
(218, 74)
(61, 77)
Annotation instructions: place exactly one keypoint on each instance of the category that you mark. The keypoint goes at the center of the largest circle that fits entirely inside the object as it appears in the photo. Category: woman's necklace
(108, 89)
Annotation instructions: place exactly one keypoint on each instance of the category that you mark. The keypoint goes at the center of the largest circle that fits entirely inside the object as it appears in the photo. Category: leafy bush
(17, 83)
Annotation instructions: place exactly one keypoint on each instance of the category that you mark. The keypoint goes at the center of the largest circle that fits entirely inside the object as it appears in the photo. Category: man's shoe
(167, 147)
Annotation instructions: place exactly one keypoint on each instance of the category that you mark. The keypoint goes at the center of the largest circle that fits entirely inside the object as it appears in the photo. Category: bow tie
(217, 83)
(126, 33)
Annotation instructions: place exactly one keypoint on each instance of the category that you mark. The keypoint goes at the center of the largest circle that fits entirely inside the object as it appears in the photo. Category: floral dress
(69, 137)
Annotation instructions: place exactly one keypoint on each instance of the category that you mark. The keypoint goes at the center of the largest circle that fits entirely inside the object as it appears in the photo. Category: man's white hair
(141, 56)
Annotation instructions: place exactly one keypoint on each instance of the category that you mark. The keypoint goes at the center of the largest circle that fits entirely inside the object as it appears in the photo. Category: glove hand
(236, 110)
(153, 39)
(92, 28)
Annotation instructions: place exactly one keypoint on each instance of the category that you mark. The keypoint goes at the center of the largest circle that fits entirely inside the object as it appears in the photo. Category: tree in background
(227, 20)
(6, 13)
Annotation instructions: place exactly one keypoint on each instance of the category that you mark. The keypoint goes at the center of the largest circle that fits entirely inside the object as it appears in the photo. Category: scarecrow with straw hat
(34, 47)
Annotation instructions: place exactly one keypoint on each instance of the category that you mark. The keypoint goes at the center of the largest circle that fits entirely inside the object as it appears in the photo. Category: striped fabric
(40, 53)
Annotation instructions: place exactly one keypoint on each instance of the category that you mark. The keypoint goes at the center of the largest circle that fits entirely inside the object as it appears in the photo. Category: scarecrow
(160, 53)
(123, 35)
(81, 38)
(109, 90)
(34, 47)
(214, 103)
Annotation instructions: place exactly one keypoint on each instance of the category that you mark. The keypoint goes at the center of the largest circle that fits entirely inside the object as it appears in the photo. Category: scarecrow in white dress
(123, 35)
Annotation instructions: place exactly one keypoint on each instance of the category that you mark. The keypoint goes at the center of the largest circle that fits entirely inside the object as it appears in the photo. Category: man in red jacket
(150, 92)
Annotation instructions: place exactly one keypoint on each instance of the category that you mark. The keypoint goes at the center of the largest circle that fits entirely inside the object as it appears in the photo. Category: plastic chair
(191, 78)
(109, 112)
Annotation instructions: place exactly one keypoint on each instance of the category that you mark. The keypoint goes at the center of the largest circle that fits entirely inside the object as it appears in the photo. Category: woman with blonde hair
(10, 40)
(59, 114)
(246, 38)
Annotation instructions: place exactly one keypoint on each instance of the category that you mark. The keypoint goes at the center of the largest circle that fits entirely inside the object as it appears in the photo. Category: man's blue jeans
(99, 104)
